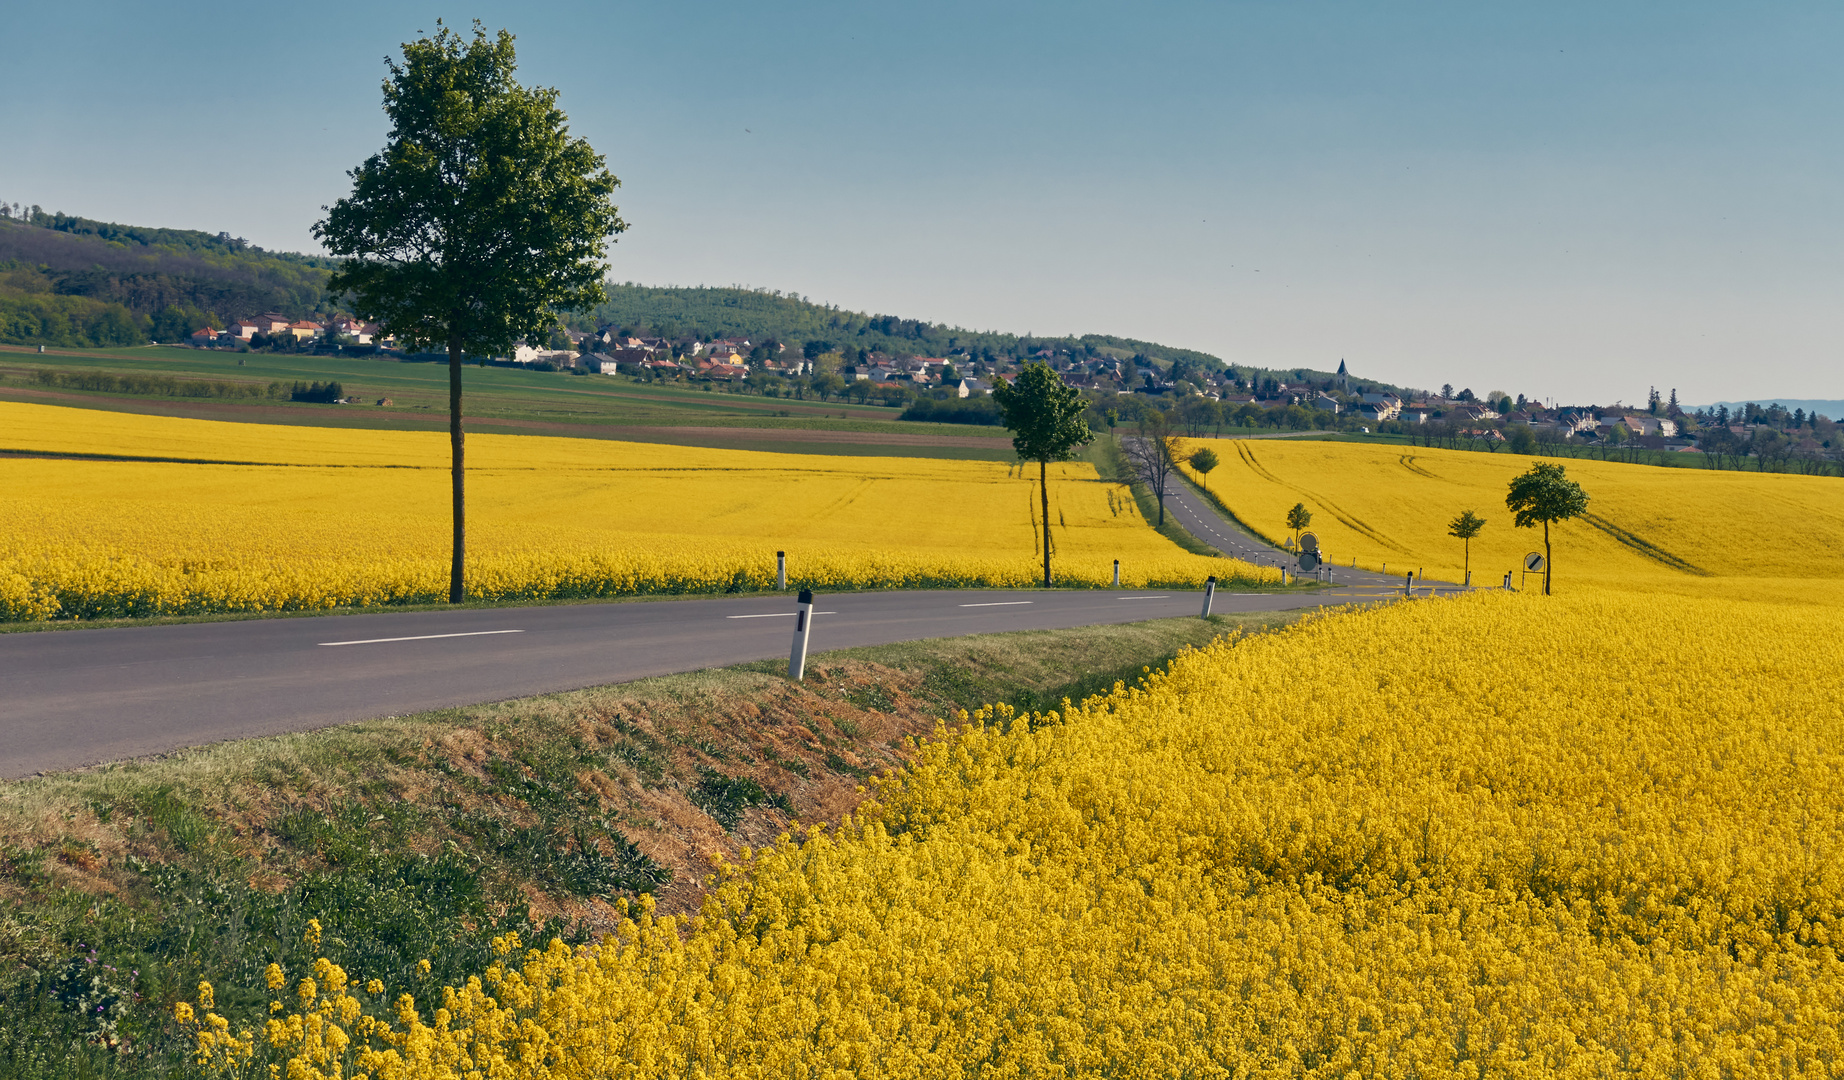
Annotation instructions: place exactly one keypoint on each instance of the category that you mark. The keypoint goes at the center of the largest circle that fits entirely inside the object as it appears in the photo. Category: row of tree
(1541, 496)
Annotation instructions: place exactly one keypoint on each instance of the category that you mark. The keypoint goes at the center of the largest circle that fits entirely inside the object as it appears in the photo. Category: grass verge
(1113, 466)
(418, 838)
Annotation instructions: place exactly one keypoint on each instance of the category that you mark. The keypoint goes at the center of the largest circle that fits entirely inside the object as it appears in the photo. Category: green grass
(497, 399)
(420, 837)
(1112, 463)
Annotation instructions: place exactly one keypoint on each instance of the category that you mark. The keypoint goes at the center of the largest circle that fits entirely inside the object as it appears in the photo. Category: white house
(970, 387)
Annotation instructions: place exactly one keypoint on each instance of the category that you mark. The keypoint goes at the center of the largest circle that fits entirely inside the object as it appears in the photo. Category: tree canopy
(1463, 529)
(1204, 460)
(1298, 518)
(481, 217)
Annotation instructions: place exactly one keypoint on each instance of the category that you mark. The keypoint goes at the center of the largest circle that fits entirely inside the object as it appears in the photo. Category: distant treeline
(970, 410)
(66, 321)
(166, 386)
(792, 320)
(73, 282)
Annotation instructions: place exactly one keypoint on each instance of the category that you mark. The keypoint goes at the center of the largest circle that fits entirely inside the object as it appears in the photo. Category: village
(1203, 399)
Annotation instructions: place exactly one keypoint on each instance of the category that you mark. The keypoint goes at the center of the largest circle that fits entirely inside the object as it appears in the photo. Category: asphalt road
(1201, 520)
(78, 697)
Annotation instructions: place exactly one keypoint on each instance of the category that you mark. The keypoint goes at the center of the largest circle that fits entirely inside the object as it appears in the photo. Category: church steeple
(1343, 376)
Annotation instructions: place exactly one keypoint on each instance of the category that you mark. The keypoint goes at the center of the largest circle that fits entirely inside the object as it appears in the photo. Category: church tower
(1344, 378)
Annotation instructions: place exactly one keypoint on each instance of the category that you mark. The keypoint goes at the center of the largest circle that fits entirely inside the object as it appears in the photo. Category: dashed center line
(1002, 603)
(422, 637)
(1142, 597)
(777, 615)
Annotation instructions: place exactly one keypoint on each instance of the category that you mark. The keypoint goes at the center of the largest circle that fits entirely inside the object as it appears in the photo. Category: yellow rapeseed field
(1681, 531)
(248, 517)
(1491, 836)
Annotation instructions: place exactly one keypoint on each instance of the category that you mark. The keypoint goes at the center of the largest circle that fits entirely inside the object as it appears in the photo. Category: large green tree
(1046, 418)
(1542, 495)
(479, 219)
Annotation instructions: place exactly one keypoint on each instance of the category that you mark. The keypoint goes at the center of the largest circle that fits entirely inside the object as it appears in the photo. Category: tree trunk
(1546, 559)
(1043, 488)
(456, 579)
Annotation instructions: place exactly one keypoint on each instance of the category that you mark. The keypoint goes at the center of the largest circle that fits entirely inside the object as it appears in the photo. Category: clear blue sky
(1578, 200)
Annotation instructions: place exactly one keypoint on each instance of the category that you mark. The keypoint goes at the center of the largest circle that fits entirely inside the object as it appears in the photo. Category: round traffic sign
(1309, 561)
(1533, 562)
(1309, 542)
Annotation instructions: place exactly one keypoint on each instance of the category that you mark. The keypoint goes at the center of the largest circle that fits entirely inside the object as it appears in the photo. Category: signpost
(781, 571)
(1534, 563)
(1210, 592)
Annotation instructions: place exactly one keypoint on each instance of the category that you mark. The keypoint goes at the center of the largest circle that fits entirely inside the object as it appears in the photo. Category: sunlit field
(1493, 836)
(245, 517)
(1682, 531)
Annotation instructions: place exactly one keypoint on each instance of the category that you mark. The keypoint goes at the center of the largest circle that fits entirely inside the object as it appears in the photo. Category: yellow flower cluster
(1488, 836)
(216, 1048)
(1659, 529)
(317, 518)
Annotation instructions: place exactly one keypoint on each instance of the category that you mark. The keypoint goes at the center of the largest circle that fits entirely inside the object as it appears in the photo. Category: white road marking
(422, 637)
(777, 615)
(1002, 603)
(1142, 598)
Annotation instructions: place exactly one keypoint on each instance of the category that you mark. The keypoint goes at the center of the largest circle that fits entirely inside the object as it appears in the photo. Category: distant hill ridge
(77, 282)
(764, 314)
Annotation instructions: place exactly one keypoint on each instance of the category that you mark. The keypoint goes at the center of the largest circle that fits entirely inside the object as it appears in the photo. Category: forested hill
(761, 315)
(72, 281)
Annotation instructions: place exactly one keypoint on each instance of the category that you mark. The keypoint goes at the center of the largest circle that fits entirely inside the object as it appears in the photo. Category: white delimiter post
(1117, 573)
(1210, 591)
(781, 570)
(803, 628)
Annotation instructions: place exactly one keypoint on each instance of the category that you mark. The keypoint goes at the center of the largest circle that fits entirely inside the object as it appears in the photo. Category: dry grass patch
(678, 770)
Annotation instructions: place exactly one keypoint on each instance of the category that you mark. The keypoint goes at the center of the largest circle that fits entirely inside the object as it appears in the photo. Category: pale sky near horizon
(1567, 200)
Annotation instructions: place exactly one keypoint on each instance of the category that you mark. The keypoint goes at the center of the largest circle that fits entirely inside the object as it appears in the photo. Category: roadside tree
(479, 219)
(1046, 418)
(1153, 453)
(1204, 460)
(1298, 518)
(1540, 496)
(1464, 528)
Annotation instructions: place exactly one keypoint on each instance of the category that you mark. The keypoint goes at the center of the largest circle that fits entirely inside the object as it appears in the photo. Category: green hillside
(765, 315)
(75, 282)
